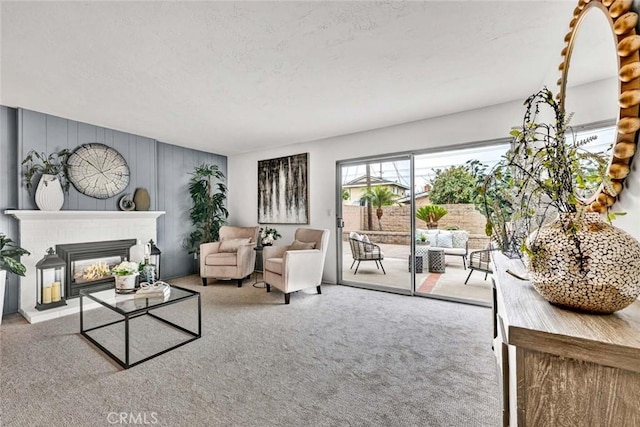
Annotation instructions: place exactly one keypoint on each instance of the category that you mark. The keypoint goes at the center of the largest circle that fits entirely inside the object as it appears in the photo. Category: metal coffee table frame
(129, 315)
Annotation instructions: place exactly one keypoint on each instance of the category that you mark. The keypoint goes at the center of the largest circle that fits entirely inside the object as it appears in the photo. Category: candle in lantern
(55, 292)
(46, 295)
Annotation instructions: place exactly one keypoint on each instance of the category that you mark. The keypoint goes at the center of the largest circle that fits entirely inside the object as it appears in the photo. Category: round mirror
(600, 86)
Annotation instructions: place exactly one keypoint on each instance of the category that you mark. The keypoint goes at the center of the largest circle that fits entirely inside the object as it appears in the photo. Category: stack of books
(158, 289)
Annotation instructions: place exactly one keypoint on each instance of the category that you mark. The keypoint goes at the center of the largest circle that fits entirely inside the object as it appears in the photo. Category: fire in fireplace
(88, 264)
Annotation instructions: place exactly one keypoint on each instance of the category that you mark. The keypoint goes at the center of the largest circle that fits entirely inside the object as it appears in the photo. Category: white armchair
(232, 257)
(297, 266)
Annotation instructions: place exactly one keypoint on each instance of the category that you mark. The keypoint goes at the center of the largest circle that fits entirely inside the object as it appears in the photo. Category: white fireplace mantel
(73, 215)
(40, 230)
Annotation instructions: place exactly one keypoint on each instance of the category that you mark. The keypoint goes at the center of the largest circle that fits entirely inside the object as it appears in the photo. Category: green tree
(379, 196)
(454, 184)
(345, 194)
(208, 211)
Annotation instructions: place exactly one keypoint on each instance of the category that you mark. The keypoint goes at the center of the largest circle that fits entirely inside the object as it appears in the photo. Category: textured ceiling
(232, 77)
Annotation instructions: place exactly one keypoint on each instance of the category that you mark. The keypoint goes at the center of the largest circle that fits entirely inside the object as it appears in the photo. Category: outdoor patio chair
(480, 260)
(365, 251)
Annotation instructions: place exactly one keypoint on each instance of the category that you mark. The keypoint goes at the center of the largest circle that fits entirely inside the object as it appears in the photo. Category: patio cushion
(221, 258)
(373, 255)
(444, 240)
(460, 238)
(455, 251)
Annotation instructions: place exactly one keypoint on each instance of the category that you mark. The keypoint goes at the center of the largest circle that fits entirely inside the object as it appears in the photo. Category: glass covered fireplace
(88, 264)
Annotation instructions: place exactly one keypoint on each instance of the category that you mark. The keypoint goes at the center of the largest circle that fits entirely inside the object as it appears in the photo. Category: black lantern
(154, 257)
(50, 281)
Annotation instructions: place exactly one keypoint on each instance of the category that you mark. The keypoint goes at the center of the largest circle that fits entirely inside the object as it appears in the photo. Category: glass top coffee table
(144, 320)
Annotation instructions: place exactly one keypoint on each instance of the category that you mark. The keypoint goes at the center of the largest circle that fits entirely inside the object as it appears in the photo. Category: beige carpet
(348, 357)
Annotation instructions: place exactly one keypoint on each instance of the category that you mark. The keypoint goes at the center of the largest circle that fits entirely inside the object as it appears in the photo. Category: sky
(426, 164)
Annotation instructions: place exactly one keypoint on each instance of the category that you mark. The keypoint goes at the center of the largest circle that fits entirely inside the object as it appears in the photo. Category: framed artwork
(283, 190)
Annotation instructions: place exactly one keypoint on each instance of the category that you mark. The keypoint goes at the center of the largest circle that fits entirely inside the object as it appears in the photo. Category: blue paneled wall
(163, 169)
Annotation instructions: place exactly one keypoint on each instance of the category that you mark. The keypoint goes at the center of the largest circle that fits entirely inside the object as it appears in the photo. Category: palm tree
(431, 214)
(379, 196)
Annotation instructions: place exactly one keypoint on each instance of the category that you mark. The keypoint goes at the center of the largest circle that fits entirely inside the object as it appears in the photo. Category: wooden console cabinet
(559, 367)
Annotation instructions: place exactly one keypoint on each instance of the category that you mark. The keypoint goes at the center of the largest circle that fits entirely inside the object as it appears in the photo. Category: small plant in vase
(53, 182)
(269, 235)
(125, 275)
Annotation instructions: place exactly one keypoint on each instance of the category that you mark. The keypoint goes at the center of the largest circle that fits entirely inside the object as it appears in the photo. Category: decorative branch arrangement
(540, 176)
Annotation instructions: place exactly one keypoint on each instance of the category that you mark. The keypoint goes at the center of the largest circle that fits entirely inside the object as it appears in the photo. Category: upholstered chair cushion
(297, 245)
(274, 265)
(222, 258)
(232, 245)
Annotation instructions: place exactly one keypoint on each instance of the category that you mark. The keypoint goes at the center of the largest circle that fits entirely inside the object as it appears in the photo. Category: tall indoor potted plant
(575, 259)
(208, 211)
(10, 254)
(53, 183)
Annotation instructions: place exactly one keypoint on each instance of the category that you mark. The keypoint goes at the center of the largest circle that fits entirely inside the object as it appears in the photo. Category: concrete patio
(396, 263)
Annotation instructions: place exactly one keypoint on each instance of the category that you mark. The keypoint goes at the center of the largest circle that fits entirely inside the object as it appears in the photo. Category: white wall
(476, 125)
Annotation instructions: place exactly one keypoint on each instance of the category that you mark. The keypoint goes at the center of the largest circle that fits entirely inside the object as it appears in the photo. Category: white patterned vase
(126, 284)
(49, 195)
(584, 264)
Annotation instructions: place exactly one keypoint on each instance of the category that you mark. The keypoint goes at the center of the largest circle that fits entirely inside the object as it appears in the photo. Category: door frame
(339, 221)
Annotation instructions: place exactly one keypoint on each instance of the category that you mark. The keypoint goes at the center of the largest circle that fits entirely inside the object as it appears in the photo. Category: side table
(436, 260)
(258, 267)
(421, 252)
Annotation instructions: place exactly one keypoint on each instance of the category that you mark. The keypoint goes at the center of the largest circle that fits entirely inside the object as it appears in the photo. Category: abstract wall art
(283, 190)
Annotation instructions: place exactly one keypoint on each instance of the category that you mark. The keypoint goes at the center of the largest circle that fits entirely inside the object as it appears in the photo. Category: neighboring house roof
(407, 200)
(374, 181)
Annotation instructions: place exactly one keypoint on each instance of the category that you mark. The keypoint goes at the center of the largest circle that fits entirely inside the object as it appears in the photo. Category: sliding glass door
(374, 209)
(410, 224)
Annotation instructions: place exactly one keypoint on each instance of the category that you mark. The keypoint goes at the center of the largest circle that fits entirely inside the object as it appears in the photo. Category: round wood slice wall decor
(98, 171)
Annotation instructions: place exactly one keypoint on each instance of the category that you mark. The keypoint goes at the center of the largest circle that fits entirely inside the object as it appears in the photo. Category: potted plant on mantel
(575, 259)
(49, 195)
(10, 254)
